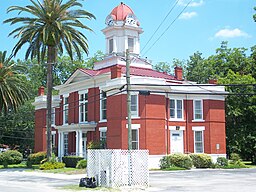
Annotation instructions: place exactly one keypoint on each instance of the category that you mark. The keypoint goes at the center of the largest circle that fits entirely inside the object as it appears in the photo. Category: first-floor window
(65, 143)
(199, 142)
(103, 139)
(135, 138)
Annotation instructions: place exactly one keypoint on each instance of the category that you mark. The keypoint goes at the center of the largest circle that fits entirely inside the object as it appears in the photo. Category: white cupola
(122, 31)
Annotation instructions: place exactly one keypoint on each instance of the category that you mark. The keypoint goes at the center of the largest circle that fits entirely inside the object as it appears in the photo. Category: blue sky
(201, 27)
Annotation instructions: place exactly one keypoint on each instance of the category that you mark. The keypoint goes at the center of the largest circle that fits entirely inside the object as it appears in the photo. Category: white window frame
(103, 135)
(131, 43)
(194, 110)
(111, 45)
(65, 143)
(136, 141)
(176, 109)
(101, 109)
(53, 117)
(202, 141)
(83, 115)
(135, 113)
(65, 109)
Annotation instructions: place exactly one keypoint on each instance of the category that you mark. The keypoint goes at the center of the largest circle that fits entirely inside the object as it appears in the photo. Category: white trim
(198, 128)
(175, 118)
(103, 129)
(134, 126)
(202, 109)
(174, 128)
(136, 113)
(83, 91)
(202, 141)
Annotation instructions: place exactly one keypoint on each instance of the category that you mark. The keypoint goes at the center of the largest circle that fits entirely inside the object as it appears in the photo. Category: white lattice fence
(116, 168)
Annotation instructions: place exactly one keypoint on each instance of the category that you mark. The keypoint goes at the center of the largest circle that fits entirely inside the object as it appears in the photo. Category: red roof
(120, 12)
(134, 71)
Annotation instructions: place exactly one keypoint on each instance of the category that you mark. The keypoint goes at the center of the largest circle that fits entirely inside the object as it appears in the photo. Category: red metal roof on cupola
(134, 71)
(120, 12)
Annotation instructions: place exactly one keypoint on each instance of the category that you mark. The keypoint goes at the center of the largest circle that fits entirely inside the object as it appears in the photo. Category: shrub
(36, 158)
(10, 157)
(82, 164)
(176, 160)
(52, 165)
(235, 157)
(71, 161)
(222, 162)
(201, 160)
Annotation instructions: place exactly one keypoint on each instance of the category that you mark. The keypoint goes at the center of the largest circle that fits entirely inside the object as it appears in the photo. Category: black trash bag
(89, 182)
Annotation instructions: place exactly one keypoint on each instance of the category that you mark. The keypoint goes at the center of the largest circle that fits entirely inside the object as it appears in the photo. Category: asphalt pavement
(195, 180)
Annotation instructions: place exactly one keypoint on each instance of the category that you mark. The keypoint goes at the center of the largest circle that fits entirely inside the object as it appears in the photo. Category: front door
(177, 142)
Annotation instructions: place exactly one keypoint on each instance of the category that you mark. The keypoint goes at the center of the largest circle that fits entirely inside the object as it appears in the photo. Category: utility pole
(128, 82)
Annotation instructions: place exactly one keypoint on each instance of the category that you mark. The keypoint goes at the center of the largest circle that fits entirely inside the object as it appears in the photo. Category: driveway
(202, 180)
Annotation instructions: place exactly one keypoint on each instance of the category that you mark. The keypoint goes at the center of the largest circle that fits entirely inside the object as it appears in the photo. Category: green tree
(13, 92)
(163, 67)
(240, 115)
(51, 27)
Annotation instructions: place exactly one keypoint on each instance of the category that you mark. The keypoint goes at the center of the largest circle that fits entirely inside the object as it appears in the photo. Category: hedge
(201, 160)
(177, 160)
(71, 161)
(52, 165)
(36, 158)
(82, 164)
(10, 157)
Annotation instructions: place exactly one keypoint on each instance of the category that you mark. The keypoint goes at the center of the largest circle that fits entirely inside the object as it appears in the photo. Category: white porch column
(61, 144)
(77, 149)
(80, 144)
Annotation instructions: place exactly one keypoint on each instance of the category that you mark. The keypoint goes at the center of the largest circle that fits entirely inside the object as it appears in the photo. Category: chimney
(41, 91)
(116, 71)
(213, 81)
(178, 73)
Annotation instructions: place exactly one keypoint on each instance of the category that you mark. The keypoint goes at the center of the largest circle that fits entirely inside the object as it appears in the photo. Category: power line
(160, 25)
(13, 137)
(167, 28)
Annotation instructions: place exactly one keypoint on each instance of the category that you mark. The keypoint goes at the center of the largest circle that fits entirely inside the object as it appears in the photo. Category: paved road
(175, 181)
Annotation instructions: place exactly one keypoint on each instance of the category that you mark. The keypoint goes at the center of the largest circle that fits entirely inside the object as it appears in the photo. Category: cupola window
(131, 44)
(111, 45)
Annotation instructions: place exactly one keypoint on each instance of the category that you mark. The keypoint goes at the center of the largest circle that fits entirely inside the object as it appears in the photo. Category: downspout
(166, 124)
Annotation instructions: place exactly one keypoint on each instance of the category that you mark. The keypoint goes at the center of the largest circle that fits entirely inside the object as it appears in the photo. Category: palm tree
(12, 87)
(51, 26)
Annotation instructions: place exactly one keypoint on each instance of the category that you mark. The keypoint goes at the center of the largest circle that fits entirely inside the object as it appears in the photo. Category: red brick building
(173, 116)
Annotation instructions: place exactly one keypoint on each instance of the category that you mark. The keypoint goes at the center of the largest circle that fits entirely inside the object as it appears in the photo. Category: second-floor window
(134, 106)
(65, 110)
(198, 110)
(83, 107)
(103, 105)
(176, 109)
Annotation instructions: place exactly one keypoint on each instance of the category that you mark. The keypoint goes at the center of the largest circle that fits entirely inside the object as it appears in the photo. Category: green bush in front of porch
(71, 161)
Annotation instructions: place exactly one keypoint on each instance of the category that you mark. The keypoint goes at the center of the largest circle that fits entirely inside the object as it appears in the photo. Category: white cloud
(230, 33)
(193, 3)
(188, 15)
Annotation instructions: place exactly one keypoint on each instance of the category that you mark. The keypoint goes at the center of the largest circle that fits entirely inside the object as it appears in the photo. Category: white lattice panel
(116, 168)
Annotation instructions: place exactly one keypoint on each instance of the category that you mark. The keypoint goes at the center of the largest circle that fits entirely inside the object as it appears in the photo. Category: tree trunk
(51, 57)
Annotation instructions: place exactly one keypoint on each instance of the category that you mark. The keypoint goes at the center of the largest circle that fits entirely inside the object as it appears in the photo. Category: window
(103, 138)
(103, 105)
(199, 142)
(65, 144)
(65, 110)
(198, 110)
(134, 105)
(111, 45)
(83, 107)
(135, 138)
(131, 44)
(176, 109)
(53, 117)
